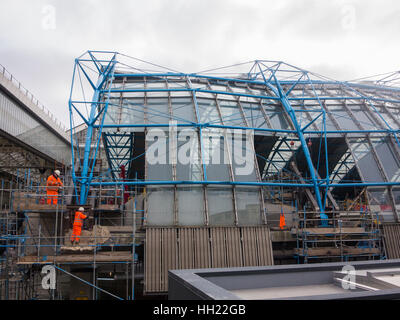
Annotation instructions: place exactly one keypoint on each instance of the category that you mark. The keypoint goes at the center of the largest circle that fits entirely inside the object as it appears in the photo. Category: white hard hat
(57, 172)
(81, 209)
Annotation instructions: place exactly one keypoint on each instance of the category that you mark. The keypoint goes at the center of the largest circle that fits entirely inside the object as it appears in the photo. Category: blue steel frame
(105, 74)
(262, 72)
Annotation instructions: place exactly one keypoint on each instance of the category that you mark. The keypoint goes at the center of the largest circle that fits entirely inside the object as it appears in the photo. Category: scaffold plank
(345, 230)
(112, 256)
(333, 251)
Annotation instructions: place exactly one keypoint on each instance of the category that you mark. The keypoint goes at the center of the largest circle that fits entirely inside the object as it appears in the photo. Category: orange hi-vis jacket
(282, 222)
(77, 227)
(53, 184)
(79, 217)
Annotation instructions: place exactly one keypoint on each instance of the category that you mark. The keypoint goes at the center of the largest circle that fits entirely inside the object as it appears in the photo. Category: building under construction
(256, 164)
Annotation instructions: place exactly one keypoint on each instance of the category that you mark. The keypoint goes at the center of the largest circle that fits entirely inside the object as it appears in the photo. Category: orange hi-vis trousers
(77, 226)
(76, 233)
(52, 197)
(52, 186)
(282, 222)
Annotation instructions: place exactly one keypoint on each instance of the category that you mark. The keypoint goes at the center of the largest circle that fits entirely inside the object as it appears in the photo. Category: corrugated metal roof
(191, 247)
(391, 237)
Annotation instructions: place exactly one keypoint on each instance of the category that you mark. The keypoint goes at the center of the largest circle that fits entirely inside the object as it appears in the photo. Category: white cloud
(195, 35)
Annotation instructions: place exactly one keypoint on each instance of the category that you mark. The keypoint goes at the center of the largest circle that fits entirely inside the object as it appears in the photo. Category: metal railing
(31, 97)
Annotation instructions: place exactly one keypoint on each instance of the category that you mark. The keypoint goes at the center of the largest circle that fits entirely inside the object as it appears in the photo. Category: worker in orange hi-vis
(52, 187)
(77, 226)
(282, 222)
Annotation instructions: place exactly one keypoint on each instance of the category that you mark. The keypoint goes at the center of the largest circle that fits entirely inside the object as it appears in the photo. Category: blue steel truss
(303, 95)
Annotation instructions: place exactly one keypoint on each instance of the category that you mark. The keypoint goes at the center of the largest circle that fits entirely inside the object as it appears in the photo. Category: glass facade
(212, 148)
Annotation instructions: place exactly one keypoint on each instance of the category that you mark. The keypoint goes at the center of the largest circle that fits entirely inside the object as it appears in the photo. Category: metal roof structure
(304, 131)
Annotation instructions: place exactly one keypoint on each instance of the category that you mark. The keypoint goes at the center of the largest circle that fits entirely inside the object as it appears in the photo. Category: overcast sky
(341, 39)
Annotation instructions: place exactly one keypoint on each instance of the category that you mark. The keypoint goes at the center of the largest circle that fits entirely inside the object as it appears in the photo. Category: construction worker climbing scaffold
(53, 186)
(77, 226)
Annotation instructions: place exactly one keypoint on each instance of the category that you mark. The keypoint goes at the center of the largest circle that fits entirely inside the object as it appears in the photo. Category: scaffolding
(345, 236)
(34, 234)
(315, 144)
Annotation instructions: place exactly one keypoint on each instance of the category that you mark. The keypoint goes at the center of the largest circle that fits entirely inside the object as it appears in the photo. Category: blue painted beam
(242, 183)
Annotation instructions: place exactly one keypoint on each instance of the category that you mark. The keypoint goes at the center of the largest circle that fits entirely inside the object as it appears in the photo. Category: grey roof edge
(288, 268)
(195, 280)
(200, 286)
(367, 295)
